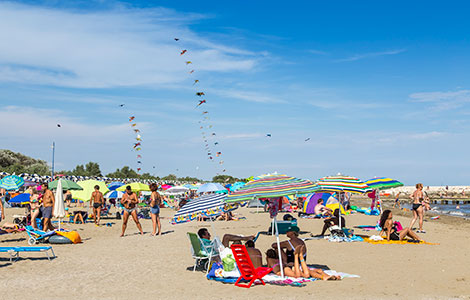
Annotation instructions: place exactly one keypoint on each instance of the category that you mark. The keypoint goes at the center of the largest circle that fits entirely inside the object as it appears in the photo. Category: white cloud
(120, 47)
(248, 96)
(441, 101)
(371, 54)
(240, 136)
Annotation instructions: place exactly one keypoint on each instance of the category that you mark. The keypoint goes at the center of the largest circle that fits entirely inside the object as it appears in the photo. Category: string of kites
(210, 141)
(138, 142)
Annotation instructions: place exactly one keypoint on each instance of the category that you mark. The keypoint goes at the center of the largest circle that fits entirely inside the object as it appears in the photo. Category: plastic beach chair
(15, 251)
(201, 252)
(246, 268)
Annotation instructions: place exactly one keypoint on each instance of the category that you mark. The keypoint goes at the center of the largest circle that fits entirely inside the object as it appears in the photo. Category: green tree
(224, 179)
(93, 169)
(170, 177)
(13, 162)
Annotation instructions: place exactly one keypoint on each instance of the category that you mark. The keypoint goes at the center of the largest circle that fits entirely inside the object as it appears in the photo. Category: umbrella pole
(341, 195)
(278, 246)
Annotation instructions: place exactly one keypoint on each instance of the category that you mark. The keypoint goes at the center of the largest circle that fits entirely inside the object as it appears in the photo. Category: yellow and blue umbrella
(11, 183)
(383, 183)
(342, 184)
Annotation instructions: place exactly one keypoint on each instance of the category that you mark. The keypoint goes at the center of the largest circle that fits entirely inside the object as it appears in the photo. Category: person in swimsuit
(300, 268)
(397, 201)
(97, 201)
(48, 201)
(68, 198)
(255, 254)
(322, 210)
(388, 227)
(333, 221)
(417, 207)
(35, 208)
(288, 247)
(129, 202)
(155, 201)
(2, 210)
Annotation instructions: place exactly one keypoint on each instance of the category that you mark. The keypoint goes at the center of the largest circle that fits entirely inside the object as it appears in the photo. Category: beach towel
(384, 241)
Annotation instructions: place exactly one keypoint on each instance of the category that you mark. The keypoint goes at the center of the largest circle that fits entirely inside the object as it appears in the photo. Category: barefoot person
(96, 202)
(386, 222)
(155, 201)
(48, 201)
(417, 207)
(129, 202)
(288, 247)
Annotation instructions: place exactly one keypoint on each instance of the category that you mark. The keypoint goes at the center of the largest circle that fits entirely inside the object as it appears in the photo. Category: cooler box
(282, 226)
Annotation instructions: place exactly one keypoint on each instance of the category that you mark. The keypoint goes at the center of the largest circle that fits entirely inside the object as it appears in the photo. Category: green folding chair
(201, 252)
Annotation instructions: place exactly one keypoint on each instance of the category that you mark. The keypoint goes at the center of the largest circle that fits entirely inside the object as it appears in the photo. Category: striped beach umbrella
(208, 205)
(272, 186)
(383, 183)
(343, 184)
(11, 182)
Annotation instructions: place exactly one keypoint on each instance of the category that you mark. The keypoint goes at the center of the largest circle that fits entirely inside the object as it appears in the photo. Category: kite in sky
(201, 102)
(183, 52)
(58, 125)
(131, 118)
(200, 94)
(268, 135)
(177, 39)
(189, 62)
(121, 105)
(307, 139)
(195, 81)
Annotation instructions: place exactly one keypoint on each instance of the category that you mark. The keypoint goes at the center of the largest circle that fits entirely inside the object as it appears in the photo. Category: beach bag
(398, 226)
(228, 263)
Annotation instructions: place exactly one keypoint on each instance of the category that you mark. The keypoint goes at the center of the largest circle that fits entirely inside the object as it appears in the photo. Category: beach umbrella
(236, 186)
(88, 187)
(342, 184)
(192, 187)
(272, 186)
(166, 187)
(114, 195)
(206, 205)
(210, 187)
(114, 185)
(4, 174)
(383, 183)
(177, 190)
(135, 186)
(11, 182)
(66, 185)
(20, 199)
(59, 206)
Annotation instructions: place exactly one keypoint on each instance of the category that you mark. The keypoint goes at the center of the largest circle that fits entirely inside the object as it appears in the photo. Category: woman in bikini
(388, 227)
(35, 208)
(300, 268)
(417, 207)
(129, 202)
(155, 201)
(288, 247)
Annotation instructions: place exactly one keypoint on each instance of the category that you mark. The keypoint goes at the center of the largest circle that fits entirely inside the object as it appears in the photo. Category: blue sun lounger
(15, 251)
(36, 236)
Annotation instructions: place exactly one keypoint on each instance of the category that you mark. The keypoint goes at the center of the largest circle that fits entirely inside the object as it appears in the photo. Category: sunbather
(288, 247)
(300, 268)
(333, 221)
(9, 228)
(255, 254)
(79, 215)
(388, 227)
(321, 209)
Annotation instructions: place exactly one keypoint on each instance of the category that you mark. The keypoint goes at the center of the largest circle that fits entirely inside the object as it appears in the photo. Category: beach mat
(403, 242)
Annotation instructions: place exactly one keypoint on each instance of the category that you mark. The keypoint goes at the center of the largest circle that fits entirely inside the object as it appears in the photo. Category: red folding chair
(246, 268)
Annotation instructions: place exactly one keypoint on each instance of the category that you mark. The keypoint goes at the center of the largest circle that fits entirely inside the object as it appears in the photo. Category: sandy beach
(106, 266)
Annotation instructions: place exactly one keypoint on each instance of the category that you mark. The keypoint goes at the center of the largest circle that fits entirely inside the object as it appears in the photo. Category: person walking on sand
(48, 201)
(155, 201)
(129, 202)
(397, 201)
(417, 207)
(96, 202)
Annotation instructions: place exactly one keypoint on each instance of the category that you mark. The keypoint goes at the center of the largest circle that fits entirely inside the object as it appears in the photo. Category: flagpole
(53, 154)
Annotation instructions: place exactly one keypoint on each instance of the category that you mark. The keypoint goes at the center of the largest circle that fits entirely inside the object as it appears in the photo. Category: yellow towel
(384, 241)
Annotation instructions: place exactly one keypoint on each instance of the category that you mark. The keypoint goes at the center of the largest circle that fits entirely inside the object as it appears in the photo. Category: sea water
(448, 209)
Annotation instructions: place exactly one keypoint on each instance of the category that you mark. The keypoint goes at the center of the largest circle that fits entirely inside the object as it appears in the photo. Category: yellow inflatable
(71, 235)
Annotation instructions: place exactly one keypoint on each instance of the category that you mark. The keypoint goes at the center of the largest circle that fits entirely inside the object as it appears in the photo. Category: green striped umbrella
(342, 184)
(11, 183)
(383, 183)
(272, 186)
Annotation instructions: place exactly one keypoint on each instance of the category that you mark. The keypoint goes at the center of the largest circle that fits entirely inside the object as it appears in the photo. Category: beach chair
(201, 252)
(15, 251)
(246, 268)
(36, 236)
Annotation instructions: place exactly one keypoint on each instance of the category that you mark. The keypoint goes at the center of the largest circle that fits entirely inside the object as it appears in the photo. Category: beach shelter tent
(59, 206)
(66, 185)
(255, 203)
(272, 186)
(211, 187)
(21, 198)
(135, 186)
(341, 185)
(312, 200)
(88, 187)
(11, 182)
(206, 205)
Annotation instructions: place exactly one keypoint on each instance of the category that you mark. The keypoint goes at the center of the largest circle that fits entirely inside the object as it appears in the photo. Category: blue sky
(381, 89)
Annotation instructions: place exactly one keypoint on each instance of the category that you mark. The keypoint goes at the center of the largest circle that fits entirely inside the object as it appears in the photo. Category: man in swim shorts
(97, 201)
(129, 202)
(47, 206)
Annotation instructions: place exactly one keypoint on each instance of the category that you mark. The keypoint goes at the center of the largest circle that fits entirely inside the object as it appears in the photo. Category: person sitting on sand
(79, 215)
(255, 254)
(228, 238)
(9, 228)
(333, 221)
(97, 201)
(388, 227)
(322, 210)
(300, 268)
(129, 202)
(288, 247)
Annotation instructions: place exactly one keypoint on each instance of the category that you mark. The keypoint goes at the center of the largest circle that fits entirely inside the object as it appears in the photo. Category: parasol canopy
(271, 186)
(207, 205)
(66, 185)
(342, 184)
(383, 183)
(11, 182)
